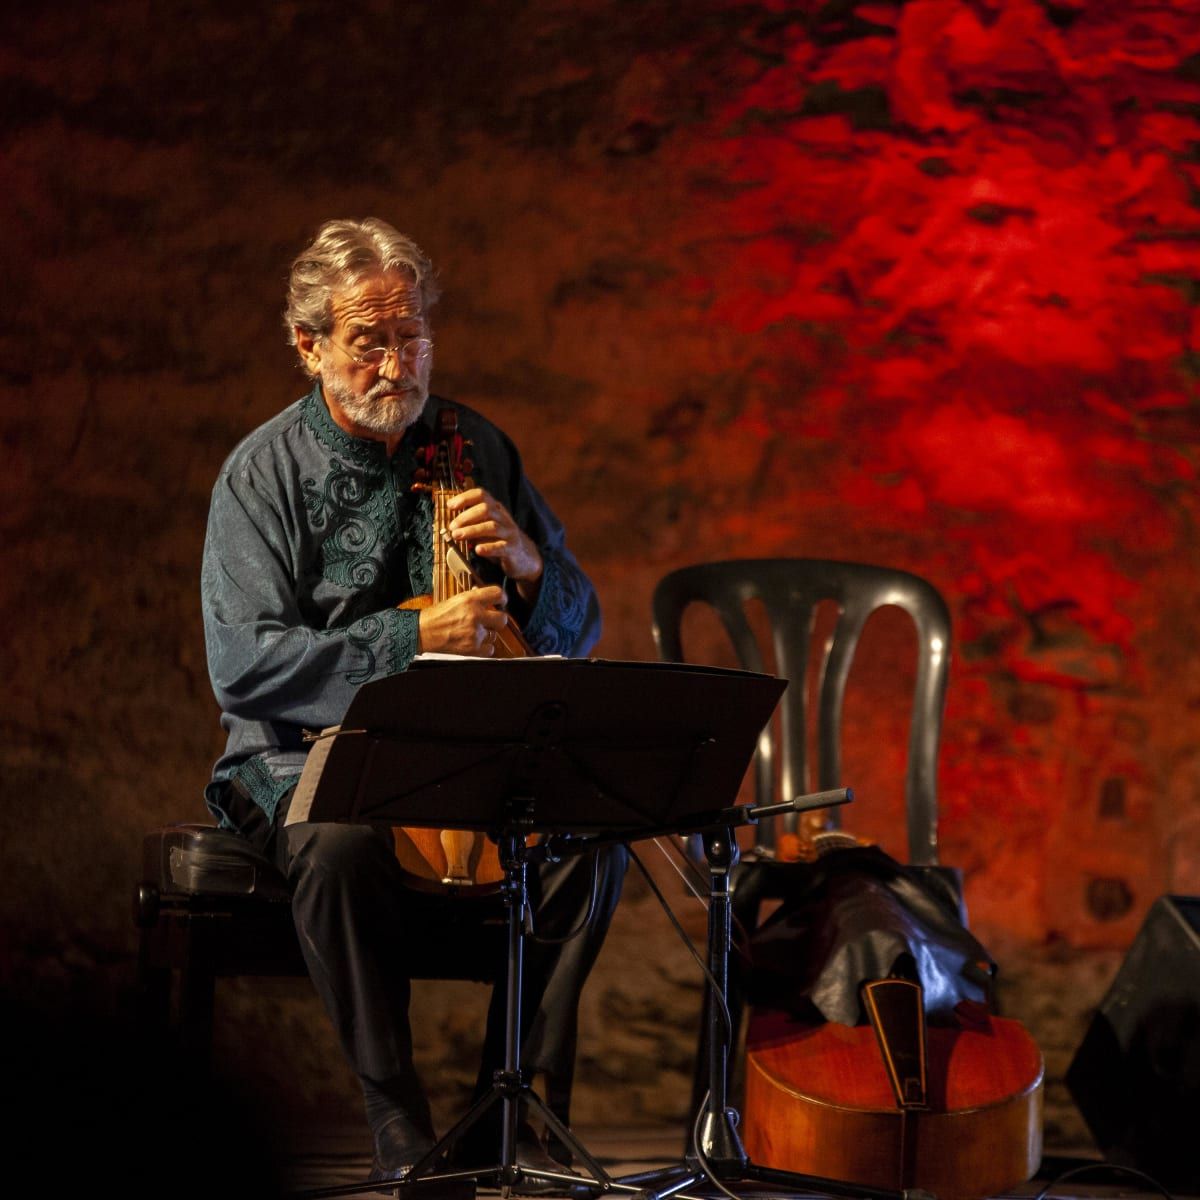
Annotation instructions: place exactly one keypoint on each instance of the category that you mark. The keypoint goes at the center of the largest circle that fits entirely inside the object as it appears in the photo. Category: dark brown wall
(913, 284)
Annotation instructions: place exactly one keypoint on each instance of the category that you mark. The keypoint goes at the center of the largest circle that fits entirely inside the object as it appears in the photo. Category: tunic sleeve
(566, 616)
(265, 661)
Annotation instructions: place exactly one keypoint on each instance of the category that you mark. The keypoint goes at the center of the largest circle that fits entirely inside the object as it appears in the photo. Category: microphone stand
(717, 1152)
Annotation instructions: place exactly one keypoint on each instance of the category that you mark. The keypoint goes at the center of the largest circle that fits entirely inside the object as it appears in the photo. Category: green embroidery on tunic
(358, 520)
(363, 635)
(262, 787)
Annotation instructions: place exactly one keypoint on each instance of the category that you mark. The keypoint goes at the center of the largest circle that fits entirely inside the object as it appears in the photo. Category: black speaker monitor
(1136, 1075)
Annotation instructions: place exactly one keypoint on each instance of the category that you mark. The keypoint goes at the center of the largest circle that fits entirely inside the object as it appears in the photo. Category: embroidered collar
(365, 452)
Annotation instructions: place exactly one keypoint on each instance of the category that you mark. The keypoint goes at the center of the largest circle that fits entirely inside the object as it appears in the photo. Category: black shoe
(481, 1148)
(532, 1155)
(425, 1188)
(398, 1147)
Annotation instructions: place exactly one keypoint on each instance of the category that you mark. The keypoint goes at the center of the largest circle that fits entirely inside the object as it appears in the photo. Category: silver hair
(342, 254)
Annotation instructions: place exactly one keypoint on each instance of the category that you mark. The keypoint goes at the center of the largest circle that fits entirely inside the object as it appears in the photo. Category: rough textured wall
(908, 283)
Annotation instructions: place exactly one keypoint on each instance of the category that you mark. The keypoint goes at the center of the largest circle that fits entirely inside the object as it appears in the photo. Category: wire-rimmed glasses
(406, 350)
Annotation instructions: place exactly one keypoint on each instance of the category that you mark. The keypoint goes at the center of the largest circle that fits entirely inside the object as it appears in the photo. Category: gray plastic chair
(790, 590)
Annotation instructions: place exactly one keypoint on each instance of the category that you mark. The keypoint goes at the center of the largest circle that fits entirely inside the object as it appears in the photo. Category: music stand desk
(599, 750)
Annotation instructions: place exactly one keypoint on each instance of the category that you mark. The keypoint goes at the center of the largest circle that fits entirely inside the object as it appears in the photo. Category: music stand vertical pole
(515, 898)
(719, 1138)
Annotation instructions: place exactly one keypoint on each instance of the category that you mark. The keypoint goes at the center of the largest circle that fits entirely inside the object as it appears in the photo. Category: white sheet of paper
(435, 656)
(302, 799)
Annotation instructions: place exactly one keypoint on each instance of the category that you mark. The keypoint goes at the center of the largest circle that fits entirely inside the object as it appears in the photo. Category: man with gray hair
(315, 538)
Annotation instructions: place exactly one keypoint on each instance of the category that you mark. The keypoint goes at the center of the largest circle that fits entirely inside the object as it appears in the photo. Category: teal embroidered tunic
(313, 538)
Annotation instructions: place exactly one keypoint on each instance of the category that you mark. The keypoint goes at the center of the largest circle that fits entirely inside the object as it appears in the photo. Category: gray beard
(378, 411)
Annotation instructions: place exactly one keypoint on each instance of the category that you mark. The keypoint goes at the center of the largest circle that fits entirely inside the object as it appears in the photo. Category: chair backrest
(791, 590)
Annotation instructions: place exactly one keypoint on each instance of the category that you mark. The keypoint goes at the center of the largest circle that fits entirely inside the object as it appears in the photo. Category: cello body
(819, 1101)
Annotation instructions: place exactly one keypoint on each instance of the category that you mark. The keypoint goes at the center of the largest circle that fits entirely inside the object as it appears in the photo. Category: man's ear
(309, 350)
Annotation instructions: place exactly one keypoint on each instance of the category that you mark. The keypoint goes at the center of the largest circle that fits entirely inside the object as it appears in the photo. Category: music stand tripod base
(508, 1089)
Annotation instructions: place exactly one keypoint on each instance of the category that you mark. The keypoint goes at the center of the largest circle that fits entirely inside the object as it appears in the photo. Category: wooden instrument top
(969, 1066)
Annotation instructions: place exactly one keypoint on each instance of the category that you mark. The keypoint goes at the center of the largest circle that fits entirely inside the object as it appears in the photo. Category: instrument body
(452, 860)
(955, 1110)
(819, 1101)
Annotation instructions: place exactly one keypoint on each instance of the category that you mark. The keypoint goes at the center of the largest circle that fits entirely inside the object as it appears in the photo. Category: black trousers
(365, 933)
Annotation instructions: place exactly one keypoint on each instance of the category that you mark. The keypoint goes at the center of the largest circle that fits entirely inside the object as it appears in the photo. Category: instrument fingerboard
(452, 573)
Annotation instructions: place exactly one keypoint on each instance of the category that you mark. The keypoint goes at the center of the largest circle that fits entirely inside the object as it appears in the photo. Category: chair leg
(197, 993)
(152, 991)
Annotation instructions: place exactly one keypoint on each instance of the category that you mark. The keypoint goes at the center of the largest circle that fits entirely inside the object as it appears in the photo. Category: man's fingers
(470, 496)
(476, 513)
(488, 597)
(478, 529)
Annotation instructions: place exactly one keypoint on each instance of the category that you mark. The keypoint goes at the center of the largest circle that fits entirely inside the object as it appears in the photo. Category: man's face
(384, 398)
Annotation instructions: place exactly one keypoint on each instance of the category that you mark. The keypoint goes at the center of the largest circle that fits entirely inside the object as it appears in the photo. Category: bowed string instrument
(952, 1108)
(452, 859)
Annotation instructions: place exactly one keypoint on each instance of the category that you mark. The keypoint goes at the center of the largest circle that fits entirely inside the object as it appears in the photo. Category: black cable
(716, 992)
(715, 987)
(1103, 1166)
(740, 938)
(693, 879)
(705, 1165)
(587, 916)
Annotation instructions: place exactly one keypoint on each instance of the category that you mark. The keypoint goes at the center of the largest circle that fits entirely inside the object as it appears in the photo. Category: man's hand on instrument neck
(483, 522)
(464, 624)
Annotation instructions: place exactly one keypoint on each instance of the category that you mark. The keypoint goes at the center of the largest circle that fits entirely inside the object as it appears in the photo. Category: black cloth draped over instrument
(855, 915)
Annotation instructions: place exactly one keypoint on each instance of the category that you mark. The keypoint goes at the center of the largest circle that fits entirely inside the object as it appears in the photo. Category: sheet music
(302, 799)
(433, 656)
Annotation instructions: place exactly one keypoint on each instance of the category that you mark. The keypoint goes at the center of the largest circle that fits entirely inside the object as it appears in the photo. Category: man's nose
(394, 365)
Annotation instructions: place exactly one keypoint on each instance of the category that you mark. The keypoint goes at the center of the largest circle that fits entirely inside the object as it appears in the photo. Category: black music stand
(602, 751)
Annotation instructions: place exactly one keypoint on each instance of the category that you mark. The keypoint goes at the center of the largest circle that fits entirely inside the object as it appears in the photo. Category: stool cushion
(201, 860)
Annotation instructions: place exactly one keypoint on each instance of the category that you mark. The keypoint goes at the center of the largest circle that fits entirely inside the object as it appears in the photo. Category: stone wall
(913, 284)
